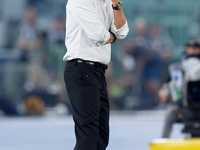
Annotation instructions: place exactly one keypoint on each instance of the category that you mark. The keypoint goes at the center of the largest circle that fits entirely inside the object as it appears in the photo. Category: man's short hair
(193, 43)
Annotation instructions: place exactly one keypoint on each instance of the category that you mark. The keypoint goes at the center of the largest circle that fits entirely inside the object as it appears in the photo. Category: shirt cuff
(106, 38)
(122, 32)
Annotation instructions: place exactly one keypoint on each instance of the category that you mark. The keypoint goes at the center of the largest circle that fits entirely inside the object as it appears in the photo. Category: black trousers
(86, 87)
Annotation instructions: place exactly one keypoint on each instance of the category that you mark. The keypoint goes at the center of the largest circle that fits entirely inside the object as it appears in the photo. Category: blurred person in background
(56, 50)
(27, 43)
(29, 38)
(147, 54)
(91, 27)
(15, 72)
(159, 56)
(56, 47)
(56, 32)
(31, 53)
(171, 91)
(39, 52)
(135, 46)
(134, 58)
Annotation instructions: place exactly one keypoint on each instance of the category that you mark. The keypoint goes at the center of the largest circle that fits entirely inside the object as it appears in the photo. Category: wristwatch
(118, 7)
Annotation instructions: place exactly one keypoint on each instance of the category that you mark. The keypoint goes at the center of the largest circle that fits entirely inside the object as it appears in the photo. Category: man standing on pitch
(91, 27)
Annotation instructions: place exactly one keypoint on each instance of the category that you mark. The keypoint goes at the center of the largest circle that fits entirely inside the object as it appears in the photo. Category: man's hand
(115, 2)
(112, 38)
(164, 93)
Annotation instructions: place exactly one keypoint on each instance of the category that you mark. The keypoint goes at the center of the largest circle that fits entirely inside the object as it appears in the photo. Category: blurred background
(32, 34)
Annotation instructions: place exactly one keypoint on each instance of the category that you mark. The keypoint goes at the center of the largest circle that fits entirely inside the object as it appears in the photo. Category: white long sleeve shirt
(87, 30)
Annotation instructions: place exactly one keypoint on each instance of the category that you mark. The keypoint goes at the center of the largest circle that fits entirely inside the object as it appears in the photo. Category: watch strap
(117, 7)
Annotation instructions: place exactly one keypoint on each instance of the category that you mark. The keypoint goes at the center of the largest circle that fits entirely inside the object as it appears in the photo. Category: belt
(96, 64)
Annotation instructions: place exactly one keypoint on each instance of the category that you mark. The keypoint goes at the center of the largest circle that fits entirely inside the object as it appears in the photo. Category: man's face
(192, 50)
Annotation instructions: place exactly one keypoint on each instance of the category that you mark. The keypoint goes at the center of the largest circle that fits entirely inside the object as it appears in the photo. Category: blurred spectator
(159, 55)
(147, 55)
(171, 91)
(56, 45)
(36, 48)
(56, 51)
(135, 47)
(29, 38)
(56, 33)
(15, 73)
(30, 44)
(161, 44)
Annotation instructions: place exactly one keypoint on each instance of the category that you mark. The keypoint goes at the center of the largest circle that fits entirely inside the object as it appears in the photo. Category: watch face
(120, 5)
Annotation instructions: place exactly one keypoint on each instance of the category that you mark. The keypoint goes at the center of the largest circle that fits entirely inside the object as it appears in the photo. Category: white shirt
(87, 30)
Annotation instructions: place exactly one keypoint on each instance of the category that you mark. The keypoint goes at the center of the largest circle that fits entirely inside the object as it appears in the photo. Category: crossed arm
(119, 20)
(86, 15)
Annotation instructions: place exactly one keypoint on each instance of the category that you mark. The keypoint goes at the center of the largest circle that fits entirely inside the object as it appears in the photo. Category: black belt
(96, 64)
